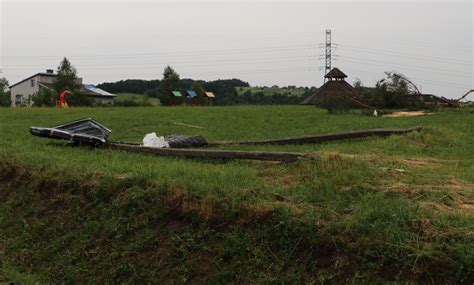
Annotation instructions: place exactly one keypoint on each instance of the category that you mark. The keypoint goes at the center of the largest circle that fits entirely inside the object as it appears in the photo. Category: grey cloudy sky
(264, 43)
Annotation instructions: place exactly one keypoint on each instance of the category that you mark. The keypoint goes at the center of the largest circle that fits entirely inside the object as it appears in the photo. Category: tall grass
(369, 210)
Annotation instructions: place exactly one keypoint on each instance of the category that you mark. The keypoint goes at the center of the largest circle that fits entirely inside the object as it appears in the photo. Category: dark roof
(334, 88)
(39, 73)
(335, 73)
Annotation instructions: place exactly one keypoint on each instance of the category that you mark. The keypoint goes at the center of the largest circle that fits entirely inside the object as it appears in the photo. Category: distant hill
(269, 91)
(121, 97)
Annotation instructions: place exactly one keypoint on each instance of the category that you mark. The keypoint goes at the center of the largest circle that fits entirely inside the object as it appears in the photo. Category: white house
(22, 92)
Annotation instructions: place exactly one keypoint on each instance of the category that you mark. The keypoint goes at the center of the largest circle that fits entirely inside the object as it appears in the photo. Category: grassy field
(268, 91)
(136, 97)
(368, 211)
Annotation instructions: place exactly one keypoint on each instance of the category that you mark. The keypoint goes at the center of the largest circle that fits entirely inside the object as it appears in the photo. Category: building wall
(26, 90)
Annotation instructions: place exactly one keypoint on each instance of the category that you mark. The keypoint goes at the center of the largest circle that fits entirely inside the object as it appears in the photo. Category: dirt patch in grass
(420, 162)
(407, 114)
(460, 197)
(411, 188)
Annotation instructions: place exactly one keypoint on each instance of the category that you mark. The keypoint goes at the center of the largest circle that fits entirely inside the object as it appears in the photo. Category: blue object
(191, 94)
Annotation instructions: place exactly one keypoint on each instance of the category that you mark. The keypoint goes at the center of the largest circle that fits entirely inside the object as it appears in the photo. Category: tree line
(224, 90)
(393, 91)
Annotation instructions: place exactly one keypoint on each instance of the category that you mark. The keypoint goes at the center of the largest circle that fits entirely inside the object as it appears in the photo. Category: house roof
(335, 73)
(28, 78)
(92, 90)
(332, 87)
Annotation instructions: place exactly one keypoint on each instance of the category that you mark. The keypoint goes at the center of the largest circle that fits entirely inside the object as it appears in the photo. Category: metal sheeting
(80, 131)
(98, 91)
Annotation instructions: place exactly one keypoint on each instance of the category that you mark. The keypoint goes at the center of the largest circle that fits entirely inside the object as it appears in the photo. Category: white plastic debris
(152, 140)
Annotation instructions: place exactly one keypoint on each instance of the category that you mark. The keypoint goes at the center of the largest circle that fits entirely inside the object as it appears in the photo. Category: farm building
(335, 88)
(23, 91)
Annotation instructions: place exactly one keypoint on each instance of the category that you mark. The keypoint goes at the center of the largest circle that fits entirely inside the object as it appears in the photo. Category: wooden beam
(325, 137)
(219, 154)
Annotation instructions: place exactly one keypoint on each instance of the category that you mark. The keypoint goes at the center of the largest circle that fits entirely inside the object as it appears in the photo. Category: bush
(5, 100)
(79, 99)
(44, 98)
(132, 103)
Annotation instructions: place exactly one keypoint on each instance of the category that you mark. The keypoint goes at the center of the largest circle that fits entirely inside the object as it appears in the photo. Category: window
(18, 99)
(32, 83)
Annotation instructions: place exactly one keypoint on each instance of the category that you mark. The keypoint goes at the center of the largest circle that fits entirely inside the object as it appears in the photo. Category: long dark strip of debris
(324, 138)
(219, 154)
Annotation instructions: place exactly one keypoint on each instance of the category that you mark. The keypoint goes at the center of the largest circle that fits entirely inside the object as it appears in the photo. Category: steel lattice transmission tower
(327, 67)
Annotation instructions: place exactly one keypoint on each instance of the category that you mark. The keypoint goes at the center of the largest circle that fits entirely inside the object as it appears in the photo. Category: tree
(169, 84)
(44, 98)
(5, 100)
(395, 91)
(79, 99)
(66, 77)
(201, 93)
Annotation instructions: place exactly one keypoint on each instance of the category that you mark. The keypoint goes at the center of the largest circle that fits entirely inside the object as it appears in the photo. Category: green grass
(136, 97)
(268, 91)
(370, 210)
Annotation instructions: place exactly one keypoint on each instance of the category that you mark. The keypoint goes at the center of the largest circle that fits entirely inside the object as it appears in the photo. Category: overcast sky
(264, 43)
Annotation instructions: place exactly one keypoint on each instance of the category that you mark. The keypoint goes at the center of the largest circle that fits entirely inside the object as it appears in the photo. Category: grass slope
(371, 210)
(136, 97)
(268, 91)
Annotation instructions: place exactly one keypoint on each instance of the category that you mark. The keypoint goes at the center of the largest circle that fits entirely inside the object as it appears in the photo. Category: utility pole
(327, 68)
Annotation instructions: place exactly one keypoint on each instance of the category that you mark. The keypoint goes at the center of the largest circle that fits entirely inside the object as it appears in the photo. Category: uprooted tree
(394, 91)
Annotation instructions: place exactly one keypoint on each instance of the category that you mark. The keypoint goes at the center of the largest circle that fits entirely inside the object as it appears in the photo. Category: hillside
(136, 98)
(269, 91)
(368, 211)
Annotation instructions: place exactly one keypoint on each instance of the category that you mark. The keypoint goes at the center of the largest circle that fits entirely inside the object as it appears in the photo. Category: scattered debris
(401, 170)
(173, 141)
(86, 131)
(188, 125)
(326, 137)
(180, 141)
(152, 140)
(91, 132)
(220, 154)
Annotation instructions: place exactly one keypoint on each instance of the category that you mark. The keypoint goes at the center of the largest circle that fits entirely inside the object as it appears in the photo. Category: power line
(439, 83)
(404, 66)
(398, 54)
(155, 64)
(182, 53)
